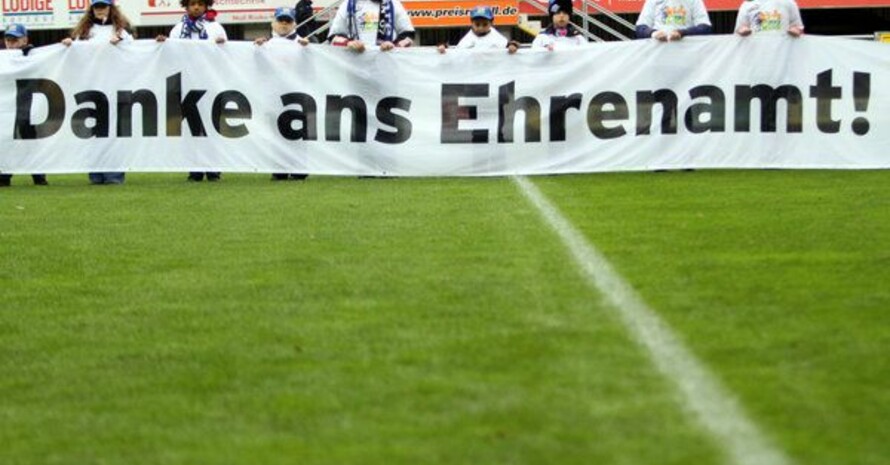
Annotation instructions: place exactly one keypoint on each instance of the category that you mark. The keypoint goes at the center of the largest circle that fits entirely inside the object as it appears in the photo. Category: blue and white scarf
(190, 25)
(386, 31)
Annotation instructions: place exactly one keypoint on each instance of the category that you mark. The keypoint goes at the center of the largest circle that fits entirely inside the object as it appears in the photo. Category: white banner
(715, 102)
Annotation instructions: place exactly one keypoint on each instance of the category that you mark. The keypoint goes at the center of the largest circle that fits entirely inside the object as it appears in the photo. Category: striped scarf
(196, 25)
(386, 31)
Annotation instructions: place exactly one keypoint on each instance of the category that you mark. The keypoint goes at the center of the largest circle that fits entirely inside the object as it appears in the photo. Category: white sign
(712, 102)
(169, 12)
(64, 14)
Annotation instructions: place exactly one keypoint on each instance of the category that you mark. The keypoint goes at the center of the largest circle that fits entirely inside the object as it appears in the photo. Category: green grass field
(437, 321)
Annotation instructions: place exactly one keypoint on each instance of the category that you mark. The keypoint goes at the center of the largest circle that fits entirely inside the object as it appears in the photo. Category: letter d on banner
(24, 100)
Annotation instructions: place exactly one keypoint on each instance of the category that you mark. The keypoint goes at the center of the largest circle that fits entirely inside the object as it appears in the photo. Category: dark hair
(82, 30)
(304, 11)
(185, 3)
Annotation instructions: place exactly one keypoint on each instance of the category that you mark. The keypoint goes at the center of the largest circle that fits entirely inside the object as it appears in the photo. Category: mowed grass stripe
(335, 321)
(777, 280)
(702, 395)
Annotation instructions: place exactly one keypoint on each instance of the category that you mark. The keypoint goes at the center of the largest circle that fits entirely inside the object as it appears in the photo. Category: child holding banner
(284, 29)
(362, 23)
(103, 21)
(16, 38)
(769, 16)
(198, 23)
(560, 34)
(670, 20)
(481, 33)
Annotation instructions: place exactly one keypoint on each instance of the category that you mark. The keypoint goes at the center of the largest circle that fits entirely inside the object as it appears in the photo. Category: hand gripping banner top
(767, 101)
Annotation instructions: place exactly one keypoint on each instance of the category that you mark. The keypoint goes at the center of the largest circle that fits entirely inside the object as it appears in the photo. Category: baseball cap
(482, 11)
(556, 6)
(285, 12)
(16, 30)
(101, 2)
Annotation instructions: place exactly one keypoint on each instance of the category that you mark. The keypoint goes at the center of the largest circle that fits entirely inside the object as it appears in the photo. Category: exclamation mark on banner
(861, 94)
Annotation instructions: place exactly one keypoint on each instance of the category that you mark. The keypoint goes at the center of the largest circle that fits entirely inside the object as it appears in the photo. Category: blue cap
(101, 2)
(16, 30)
(285, 12)
(482, 12)
(557, 6)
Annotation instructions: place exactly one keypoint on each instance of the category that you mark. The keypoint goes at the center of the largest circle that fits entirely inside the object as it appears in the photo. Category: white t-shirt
(104, 32)
(213, 28)
(277, 38)
(543, 40)
(493, 39)
(671, 15)
(769, 15)
(367, 19)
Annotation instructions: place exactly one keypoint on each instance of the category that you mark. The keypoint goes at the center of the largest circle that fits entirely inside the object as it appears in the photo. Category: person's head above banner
(560, 6)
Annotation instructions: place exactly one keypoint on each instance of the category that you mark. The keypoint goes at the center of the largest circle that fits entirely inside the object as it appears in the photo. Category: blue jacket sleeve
(697, 30)
(644, 31)
(405, 34)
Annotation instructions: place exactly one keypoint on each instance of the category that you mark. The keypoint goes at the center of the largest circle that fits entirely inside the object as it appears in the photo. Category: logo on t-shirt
(770, 20)
(674, 16)
(369, 21)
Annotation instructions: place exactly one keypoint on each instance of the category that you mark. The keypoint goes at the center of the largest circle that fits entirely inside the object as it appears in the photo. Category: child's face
(481, 26)
(283, 26)
(14, 43)
(101, 10)
(561, 19)
(196, 8)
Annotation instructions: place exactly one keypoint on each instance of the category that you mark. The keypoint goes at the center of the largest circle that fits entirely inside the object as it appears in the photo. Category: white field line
(711, 405)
